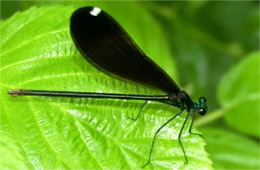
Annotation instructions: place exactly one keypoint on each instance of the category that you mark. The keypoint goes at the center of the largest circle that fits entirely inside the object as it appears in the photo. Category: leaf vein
(52, 77)
(42, 134)
(33, 39)
(22, 26)
(14, 135)
(25, 62)
(85, 142)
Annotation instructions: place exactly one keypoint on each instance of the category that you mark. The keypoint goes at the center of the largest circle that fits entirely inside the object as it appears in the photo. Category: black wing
(103, 42)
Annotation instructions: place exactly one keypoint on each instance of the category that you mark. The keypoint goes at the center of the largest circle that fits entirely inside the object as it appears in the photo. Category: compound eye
(202, 112)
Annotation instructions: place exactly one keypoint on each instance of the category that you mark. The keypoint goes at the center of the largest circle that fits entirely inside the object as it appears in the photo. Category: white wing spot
(95, 11)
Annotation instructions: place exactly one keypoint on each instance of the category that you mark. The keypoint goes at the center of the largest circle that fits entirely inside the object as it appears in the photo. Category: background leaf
(38, 53)
(231, 151)
(241, 98)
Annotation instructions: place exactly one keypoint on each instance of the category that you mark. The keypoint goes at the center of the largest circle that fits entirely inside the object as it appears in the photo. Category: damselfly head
(202, 108)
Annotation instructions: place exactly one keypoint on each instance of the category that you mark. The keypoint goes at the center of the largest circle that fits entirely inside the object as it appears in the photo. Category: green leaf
(64, 133)
(13, 155)
(239, 95)
(228, 150)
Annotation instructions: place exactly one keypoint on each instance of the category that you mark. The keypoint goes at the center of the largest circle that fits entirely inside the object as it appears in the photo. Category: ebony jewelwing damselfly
(104, 43)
